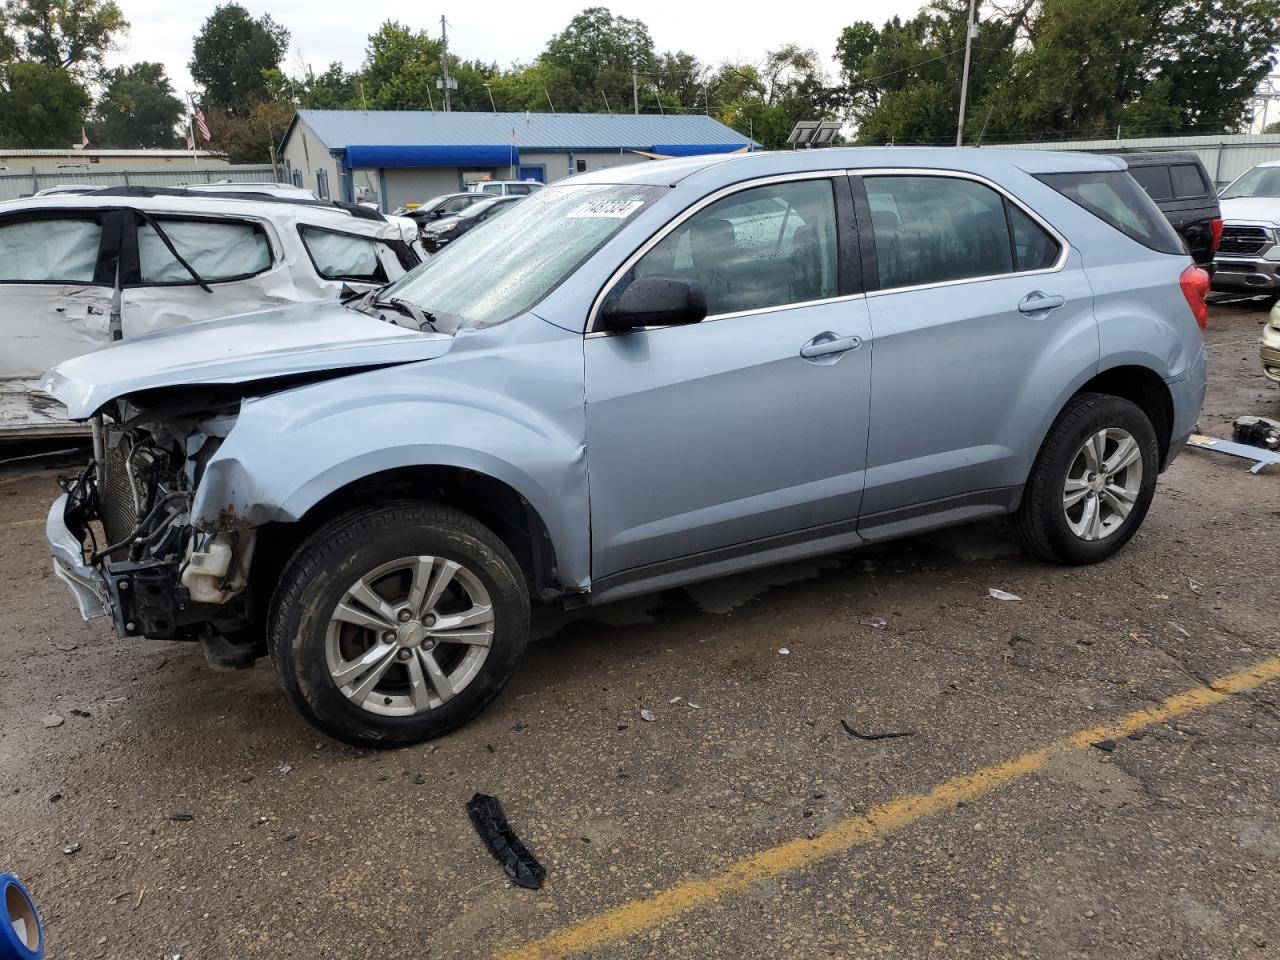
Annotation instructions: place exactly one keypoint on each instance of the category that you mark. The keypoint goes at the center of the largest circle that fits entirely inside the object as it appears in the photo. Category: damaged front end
(122, 535)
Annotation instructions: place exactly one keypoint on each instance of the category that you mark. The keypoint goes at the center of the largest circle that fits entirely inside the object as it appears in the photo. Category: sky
(503, 31)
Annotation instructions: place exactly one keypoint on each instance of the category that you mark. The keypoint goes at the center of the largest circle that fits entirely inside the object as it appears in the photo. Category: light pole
(970, 28)
(489, 89)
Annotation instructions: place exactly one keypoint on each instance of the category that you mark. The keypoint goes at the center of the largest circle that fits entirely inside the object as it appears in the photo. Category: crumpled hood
(1252, 209)
(296, 339)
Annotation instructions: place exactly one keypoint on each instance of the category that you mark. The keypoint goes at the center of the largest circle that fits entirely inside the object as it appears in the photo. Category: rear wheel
(1092, 483)
(398, 623)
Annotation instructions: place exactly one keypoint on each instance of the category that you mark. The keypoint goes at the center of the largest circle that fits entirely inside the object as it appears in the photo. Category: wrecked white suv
(79, 271)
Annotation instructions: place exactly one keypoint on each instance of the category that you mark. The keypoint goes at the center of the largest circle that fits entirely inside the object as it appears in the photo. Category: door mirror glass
(656, 302)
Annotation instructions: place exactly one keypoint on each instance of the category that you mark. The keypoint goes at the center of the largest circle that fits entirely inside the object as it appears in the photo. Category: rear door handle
(1037, 302)
(829, 344)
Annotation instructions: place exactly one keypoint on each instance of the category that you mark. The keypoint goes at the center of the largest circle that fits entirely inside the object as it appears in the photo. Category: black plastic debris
(491, 823)
(1106, 746)
(1257, 432)
(887, 735)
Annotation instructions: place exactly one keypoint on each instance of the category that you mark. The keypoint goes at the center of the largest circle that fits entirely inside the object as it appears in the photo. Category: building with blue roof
(408, 156)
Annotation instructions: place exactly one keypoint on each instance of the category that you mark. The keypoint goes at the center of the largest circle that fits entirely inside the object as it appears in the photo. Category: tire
(1052, 530)
(391, 549)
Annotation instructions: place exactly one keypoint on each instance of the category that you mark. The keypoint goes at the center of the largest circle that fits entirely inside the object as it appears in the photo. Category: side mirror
(656, 302)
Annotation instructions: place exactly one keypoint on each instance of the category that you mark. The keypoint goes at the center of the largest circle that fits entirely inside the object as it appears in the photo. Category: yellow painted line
(638, 915)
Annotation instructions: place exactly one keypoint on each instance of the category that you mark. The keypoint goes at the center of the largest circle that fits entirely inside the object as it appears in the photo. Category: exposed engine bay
(165, 578)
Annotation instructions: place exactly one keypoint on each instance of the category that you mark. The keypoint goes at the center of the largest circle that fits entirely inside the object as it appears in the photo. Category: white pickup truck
(1248, 259)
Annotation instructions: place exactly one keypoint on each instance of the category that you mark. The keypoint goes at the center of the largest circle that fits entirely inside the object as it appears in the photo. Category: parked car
(436, 208)
(79, 271)
(1183, 190)
(1271, 345)
(506, 188)
(754, 359)
(439, 233)
(1248, 259)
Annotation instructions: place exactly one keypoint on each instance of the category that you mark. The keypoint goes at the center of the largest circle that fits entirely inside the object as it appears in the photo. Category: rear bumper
(1187, 393)
(87, 585)
(1246, 276)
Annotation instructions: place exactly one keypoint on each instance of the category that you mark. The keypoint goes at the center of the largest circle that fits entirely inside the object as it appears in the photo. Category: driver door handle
(1037, 302)
(829, 344)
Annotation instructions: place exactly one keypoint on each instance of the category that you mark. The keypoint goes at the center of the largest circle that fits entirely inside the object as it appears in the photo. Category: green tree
(40, 106)
(74, 35)
(1059, 69)
(766, 100)
(593, 58)
(232, 56)
(137, 109)
(401, 68)
(334, 89)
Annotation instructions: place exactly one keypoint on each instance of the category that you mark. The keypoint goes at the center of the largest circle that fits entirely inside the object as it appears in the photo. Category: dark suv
(1182, 189)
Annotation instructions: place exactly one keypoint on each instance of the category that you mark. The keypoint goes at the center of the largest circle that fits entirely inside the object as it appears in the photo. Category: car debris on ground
(491, 823)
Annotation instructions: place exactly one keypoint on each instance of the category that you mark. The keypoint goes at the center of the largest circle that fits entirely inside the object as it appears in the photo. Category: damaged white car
(79, 271)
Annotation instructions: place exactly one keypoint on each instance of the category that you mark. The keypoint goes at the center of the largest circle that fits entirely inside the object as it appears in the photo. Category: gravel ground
(212, 822)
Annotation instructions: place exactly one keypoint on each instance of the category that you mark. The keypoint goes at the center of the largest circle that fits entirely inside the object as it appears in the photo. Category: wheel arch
(1144, 388)
(492, 501)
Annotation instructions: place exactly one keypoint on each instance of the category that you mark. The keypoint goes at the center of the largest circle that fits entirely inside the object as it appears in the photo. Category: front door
(983, 319)
(752, 424)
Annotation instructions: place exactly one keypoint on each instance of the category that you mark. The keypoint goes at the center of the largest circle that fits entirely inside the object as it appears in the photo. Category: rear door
(181, 268)
(982, 317)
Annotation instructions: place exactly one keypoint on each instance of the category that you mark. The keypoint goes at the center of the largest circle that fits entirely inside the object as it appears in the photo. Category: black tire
(347, 548)
(1042, 520)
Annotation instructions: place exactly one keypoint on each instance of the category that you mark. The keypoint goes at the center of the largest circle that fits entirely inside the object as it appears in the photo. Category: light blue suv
(637, 378)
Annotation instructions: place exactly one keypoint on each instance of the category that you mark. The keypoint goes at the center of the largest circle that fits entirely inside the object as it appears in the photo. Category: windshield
(1258, 182)
(507, 264)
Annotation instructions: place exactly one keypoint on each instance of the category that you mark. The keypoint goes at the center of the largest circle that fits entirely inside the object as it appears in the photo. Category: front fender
(288, 451)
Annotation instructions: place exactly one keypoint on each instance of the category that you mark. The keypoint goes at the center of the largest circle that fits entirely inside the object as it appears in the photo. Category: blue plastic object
(18, 912)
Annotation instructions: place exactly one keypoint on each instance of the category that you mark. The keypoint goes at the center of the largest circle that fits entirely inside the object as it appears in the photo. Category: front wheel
(397, 623)
(1092, 483)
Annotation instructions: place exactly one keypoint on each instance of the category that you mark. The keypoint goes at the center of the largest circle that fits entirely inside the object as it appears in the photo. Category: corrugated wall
(14, 184)
(1225, 157)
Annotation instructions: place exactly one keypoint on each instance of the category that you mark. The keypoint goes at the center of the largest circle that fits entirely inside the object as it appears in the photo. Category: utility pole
(444, 59)
(635, 90)
(970, 28)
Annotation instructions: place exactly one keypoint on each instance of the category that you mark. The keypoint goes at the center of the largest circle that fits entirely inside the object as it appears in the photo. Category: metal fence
(14, 184)
(1225, 157)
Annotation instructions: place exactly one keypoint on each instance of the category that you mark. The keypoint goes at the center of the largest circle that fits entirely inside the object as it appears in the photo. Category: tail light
(1215, 225)
(1195, 287)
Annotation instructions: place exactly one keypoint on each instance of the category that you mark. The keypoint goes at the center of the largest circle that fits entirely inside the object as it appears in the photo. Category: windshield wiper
(370, 304)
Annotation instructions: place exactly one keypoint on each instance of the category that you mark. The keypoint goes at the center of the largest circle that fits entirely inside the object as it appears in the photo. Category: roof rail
(353, 209)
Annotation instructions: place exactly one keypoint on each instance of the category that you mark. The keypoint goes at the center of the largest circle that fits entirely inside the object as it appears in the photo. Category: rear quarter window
(1115, 198)
(1189, 182)
(343, 256)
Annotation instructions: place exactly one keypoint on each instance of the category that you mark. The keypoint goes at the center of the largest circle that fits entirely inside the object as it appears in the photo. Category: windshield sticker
(605, 209)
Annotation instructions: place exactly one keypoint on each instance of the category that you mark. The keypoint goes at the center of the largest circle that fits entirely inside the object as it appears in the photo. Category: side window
(1033, 248)
(216, 249)
(1188, 182)
(455, 205)
(322, 184)
(934, 229)
(1154, 180)
(50, 251)
(343, 256)
(494, 189)
(296, 177)
(763, 247)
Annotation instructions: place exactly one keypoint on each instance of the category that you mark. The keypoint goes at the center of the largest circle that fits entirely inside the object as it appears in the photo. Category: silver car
(637, 378)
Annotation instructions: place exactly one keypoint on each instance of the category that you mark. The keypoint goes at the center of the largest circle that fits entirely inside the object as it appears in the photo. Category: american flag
(84, 138)
(191, 139)
(202, 125)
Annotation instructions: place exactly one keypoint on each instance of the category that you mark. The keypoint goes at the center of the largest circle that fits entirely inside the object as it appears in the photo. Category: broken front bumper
(86, 583)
